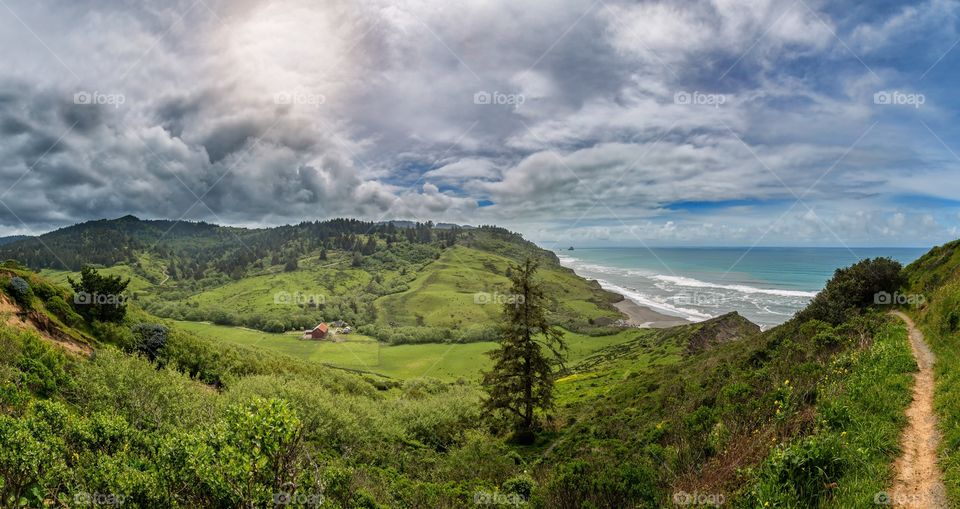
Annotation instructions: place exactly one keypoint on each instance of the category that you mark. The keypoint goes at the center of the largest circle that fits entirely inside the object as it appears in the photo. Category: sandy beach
(642, 316)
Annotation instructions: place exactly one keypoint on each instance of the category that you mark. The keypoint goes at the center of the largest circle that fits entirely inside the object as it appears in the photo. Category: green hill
(417, 283)
(934, 281)
(190, 414)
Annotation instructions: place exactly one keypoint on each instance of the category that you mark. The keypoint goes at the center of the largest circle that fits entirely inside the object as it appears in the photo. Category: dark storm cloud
(276, 112)
(229, 137)
(81, 118)
(11, 126)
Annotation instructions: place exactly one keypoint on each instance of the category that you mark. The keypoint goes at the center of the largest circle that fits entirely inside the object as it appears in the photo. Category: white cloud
(917, 21)
(380, 119)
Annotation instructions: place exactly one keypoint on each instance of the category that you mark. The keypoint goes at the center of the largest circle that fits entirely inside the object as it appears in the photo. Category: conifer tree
(522, 377)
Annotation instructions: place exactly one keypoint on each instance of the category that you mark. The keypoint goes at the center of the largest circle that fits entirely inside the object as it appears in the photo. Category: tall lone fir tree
(522, 377)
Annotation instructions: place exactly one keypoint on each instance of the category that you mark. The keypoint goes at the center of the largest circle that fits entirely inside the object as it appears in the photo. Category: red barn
(318, 332)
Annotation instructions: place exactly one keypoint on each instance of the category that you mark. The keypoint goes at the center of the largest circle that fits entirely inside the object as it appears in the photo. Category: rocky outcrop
(722, 329)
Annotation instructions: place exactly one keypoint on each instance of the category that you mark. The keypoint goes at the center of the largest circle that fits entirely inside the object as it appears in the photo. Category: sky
(597, 122)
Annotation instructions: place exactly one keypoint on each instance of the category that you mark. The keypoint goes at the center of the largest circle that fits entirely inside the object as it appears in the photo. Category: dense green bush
(854, 288)
(20, 290)
(522, 485)
(100, 297)
(116, 334)
(132, 387)
(64, 311)
(588, 484)
(149, 338)
(411, 335)
(37, 366)
(32, 450)
(249, 458)
(407, 335)
(799, 473)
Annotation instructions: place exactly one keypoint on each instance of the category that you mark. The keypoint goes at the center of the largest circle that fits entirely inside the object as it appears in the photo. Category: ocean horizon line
(841, 248)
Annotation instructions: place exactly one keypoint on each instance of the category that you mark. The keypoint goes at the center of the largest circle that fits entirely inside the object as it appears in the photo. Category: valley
(393, 413)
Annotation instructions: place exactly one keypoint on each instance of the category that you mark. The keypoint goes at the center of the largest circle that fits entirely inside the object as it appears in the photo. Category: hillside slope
(414, 284)
(803, 415)
(934, 280)
(807, 414)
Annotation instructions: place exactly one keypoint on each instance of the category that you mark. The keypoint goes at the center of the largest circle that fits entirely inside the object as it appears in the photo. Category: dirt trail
(919, 482)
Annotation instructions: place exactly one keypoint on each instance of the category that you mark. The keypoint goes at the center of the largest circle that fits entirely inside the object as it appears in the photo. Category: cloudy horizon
(601, 122)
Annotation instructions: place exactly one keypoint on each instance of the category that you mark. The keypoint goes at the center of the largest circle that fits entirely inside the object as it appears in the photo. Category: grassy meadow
(138, 281)
(446, 362)
(466, 287)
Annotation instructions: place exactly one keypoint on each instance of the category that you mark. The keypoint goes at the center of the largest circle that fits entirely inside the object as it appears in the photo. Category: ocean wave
(645, 300)
(671, 294)
(581, 266)
(696, 283)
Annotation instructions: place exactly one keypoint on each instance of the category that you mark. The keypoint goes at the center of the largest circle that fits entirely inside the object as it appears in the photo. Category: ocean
(765, 284)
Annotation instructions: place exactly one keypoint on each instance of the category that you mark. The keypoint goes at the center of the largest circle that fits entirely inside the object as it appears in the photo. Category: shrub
(42, 288)
(131, 387)
(41, 367)
(13, 264)
(247, 457)
(480, 456)
(114, 334)
(800, 472)
(21, 292)
(580, 484)
(521, 484)
(149, 339)
(408, 335)
(221, 317)
(100, 297)
(854, 288)
(64, 311)
(30, 450)
(274, 326)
